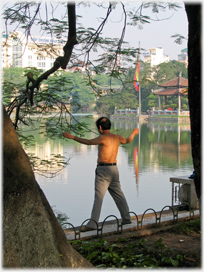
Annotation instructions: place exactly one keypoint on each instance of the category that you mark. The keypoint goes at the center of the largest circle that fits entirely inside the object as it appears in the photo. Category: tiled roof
(169, 91)
(175, 82)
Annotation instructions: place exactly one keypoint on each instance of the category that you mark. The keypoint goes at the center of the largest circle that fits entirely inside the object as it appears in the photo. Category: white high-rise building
(18, 51)
(155, 56)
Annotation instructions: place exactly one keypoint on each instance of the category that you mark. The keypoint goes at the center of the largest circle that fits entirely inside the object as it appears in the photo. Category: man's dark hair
(104, 122)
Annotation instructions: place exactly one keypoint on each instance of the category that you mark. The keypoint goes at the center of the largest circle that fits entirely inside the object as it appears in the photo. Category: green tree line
(149, 76)
(74, 88)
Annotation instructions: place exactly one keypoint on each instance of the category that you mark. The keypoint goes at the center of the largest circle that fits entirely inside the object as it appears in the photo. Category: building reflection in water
(157, 146)
(47, 158)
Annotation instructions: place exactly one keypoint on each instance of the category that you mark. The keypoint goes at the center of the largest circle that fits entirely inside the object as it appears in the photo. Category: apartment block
(38, 51)
(155, 56)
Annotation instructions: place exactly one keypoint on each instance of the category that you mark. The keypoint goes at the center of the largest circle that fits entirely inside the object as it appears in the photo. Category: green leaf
(92, 255)
(174, 262)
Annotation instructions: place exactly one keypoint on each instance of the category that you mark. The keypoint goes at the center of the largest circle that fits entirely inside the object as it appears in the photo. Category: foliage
(149, 76)
(188, 227)
(80, 93)
(50, 115)
(69, 88)
(125, 254)
(61, 217)
(152, 102)
(48, 167)
(120, 100)
(73, 89)
(105, 80)
(169, 70)
(14, 75)
(61, 93)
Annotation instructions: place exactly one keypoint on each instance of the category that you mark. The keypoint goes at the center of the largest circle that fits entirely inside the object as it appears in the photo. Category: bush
(184, 107)
(122, 254)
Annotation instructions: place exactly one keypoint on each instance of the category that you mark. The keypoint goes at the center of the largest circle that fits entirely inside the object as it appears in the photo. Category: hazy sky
(155, 34)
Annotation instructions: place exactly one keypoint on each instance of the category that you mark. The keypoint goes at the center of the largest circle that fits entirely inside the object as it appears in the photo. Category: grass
(188, 227)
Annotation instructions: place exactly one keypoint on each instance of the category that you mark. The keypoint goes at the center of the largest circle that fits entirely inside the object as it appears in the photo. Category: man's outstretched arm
(128, 140)
(80, 140)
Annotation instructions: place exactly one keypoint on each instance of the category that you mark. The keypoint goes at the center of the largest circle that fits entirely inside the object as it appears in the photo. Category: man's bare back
(108, 148)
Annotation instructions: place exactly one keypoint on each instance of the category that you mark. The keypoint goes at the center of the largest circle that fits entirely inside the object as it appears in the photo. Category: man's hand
(68, 135)
(130, 138)
(135, 131)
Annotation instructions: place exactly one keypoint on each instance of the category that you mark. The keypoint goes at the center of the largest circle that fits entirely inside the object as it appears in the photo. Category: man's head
(104, 122)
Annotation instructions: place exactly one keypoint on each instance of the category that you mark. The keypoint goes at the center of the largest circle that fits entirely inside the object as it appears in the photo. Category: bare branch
(60, 62)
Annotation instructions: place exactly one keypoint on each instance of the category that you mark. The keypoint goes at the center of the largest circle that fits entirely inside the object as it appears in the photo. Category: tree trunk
(194, 87)
(32, 238)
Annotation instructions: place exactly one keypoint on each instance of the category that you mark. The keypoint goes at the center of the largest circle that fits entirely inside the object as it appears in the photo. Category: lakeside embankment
(153, 119)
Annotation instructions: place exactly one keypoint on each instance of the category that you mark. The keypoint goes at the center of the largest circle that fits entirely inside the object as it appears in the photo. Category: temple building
(177, 86)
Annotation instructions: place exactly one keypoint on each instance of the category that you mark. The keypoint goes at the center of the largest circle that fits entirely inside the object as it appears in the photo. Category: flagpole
(139, 85)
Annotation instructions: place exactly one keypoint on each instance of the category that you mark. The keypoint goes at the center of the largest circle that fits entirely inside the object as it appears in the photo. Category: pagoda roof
(175, 83)
(169, 91)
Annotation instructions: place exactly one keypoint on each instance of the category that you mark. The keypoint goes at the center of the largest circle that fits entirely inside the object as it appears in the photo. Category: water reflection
(159, 147)
(145, 166)
(136, 166)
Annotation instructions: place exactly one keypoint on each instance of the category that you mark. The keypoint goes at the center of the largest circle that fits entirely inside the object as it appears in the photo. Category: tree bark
(32, 236)
(194, 87)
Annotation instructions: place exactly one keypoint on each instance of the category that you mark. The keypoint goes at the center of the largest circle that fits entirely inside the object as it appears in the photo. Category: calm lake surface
(145, 165)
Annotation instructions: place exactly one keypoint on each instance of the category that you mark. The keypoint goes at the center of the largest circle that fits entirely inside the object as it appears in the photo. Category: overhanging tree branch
(60, 62)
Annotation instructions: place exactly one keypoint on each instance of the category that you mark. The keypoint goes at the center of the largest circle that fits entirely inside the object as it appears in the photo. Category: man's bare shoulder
(121, 139)
(119, 136)
(110, 136)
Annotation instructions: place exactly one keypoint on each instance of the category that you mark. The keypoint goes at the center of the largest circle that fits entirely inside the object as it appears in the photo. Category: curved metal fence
(184, 206)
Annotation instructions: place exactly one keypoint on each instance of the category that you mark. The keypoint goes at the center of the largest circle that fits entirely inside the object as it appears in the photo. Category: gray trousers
(107, 178)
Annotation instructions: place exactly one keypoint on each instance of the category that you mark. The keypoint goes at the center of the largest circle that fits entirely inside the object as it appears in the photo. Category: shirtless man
(107, 176)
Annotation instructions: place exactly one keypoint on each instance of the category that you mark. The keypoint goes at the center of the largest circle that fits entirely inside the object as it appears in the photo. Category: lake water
(159, 152)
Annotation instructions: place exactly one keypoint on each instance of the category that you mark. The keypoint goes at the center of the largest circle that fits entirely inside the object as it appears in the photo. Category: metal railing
(139, 225)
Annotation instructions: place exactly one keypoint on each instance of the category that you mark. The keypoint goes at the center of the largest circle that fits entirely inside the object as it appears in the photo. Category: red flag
(136, 77)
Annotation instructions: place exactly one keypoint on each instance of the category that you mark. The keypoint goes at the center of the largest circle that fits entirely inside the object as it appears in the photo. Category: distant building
(18, 51)
(78, 66)
(155, 56)
(183, 57)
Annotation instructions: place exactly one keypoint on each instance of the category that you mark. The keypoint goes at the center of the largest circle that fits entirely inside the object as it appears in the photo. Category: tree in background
(32, 235)
(169, 70)
(149, 77)
(14, 75)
